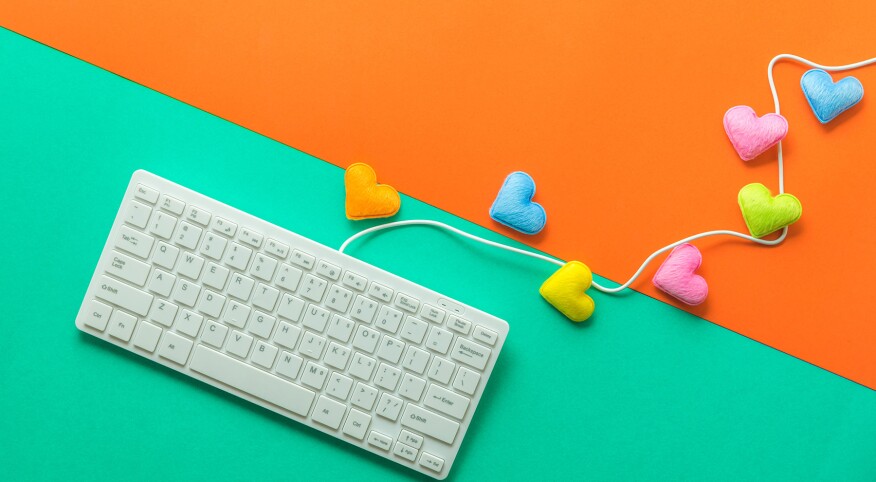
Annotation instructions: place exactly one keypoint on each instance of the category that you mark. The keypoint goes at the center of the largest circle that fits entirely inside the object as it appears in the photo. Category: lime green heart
(765, 213)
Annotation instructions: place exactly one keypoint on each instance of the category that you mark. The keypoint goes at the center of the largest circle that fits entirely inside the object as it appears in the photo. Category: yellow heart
(565, 291)
(365, 198)
(764, 213)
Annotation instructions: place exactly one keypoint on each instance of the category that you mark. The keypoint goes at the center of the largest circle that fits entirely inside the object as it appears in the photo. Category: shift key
(120, 294)
(429, 423)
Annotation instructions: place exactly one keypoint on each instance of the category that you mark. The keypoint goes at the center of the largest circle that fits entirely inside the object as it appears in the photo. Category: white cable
(720, 232)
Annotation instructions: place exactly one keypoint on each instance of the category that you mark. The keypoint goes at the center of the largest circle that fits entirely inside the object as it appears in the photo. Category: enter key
(446, 402)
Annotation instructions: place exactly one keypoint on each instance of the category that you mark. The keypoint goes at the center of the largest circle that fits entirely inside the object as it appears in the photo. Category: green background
(643, 391)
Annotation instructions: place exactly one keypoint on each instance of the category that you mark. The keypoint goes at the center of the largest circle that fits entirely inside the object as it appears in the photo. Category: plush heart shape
(751, 135)
(514, 208)
(827, 98)
(565, 291)
(676, 275)
(365, 198)
(765, 213)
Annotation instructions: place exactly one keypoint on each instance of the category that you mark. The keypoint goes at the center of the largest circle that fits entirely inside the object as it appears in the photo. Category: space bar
(252, 380)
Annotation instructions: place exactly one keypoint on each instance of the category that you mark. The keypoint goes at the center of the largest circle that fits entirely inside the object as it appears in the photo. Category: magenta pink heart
(751, 135)
(676, 275)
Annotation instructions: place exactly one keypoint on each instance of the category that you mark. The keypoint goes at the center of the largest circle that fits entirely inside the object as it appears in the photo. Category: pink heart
(751, 135)
(676, 275)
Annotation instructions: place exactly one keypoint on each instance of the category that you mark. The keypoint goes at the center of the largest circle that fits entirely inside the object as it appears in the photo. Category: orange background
(613, 107)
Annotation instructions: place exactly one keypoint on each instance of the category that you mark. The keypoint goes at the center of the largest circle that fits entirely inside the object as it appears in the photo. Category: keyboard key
(175, 348)
(146, 193)
(354, 281)
(407, 302)
(215, 276)
(458, 324)
(366, 339)
(470, 353)
(287, 335)
(223, 226)
(412, 439)
(390, 349)
(302, 259)
(446, 402)
(214, 334)
(313, 288)
(337, 356)
(188, 323)
(362, 366)
(441, 370)
(147, 336)
(187, 235)
(121, 325)
(236, 314)
(381, 292)
(415, 360)
(340, 328)
(414, 330)
(128, 268)
(289, 365)
(388, 319)
(137, 214)
(239, 344)
(186, 292)
(356, 424)
(98, 315)
(339, 386)
(261, 324)
(316, 318)
(240, 286)
(387, 377)
(328, 270)
(162, 224)
(134, 242)
(339, 299)
(433, 314)
(431, 462)
(466, 381)
(290, 307)
(251, 380)
(312, 345)
(123, 295)
(265, 297)
(264, 354)
(165, 256)
(251, 237)
(379, 440)
(314, 375)
(363, 309)
(364, 396)
(439, 340)
(277, 248)
(198, 215)
(389, 407)
(263, 267)
(288, 277)
(429, 423)
(484, 335)
(163, 312)
(328, 412)
(237, 256)
(213, 246)
(172, 204)
(405, 451)
(190, 266)
(411, 387)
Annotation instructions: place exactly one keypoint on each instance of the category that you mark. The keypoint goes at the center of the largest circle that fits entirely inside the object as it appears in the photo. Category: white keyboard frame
(445, 451)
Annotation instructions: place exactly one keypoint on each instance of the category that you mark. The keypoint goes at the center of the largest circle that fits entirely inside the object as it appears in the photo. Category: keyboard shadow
(298, 427)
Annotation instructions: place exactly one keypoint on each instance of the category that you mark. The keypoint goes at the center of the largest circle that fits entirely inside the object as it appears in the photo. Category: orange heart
(365, 198)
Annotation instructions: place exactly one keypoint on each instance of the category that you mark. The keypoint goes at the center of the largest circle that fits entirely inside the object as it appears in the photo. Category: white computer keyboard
(289, 324)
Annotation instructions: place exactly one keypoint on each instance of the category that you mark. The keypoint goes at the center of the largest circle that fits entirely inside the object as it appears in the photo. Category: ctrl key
(431, 462)
(97, 315)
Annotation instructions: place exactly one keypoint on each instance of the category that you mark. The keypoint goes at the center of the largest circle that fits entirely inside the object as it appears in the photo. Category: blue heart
(514, 208)
(829, 99)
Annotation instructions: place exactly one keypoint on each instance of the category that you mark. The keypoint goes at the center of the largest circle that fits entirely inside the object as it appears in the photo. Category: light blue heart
(514, 208)
(827, 98)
